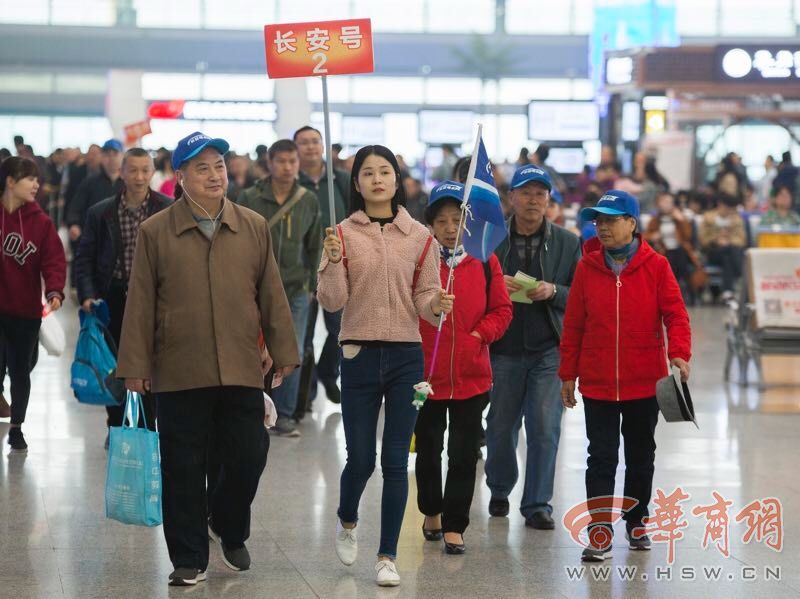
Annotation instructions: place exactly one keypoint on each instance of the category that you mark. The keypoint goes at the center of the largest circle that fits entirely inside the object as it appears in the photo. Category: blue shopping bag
(133, 476)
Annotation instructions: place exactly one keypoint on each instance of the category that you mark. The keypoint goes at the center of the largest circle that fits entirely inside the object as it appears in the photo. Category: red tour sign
(319, 48)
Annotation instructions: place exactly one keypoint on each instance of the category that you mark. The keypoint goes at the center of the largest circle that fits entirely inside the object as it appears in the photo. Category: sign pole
(328, 150)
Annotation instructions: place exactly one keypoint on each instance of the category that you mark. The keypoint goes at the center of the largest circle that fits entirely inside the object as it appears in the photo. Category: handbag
(133, 475)
(698, 279)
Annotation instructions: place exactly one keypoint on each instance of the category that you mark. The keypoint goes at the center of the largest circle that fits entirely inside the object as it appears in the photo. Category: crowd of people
(199, 251)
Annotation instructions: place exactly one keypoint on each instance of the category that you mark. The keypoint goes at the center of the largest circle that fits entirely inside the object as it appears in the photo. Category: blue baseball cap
(528, 174)
(194, 143)
(445, 189)
(113, 145)
(613, 203)
(556, 196)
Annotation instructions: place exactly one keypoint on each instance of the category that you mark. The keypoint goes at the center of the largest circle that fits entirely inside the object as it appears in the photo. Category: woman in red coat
(622, 296)
(462, 376)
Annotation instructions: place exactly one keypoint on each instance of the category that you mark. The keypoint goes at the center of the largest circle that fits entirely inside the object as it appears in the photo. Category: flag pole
(328, 151)
(464, 203)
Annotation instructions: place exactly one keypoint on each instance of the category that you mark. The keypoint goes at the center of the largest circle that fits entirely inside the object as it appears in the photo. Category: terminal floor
(56, 542)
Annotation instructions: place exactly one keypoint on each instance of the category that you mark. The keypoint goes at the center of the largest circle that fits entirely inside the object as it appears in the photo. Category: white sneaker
(346, 544)
(386, 573)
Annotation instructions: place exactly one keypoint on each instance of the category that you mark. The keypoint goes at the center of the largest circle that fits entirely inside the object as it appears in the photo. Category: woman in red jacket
(462, 376)
(30, 251)
(622, 296)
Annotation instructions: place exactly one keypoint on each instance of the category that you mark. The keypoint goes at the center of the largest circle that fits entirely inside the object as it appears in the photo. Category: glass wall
(695, 17)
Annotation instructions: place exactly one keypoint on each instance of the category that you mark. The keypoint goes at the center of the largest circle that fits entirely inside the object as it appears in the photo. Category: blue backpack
(94, 367)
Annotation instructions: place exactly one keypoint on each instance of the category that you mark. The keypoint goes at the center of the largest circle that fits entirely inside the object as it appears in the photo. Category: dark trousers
(729, 259)
(639, 419)
(463, 434)
(21, 337)
(115, 298)
(327, 368)
(226, 423)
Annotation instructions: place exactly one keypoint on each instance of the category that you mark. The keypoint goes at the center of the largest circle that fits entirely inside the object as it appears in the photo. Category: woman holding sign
(622, 296)
(462, 376)
(382, 268)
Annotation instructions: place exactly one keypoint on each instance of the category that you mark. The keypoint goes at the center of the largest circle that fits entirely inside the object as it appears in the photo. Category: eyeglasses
(607, 221)
(309, 142)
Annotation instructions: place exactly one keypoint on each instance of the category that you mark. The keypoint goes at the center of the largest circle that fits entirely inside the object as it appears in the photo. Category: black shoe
(540, 521)
(17, 440)
(236, 558)
(332, 391)
(455, 548)
(432, 535)
(498, 507)
(637, 538)
(186, 577)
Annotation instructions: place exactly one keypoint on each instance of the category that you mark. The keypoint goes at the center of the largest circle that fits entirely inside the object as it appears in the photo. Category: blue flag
(485, 223)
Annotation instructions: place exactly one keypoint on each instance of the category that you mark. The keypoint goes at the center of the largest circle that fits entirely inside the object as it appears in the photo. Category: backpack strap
(341, 238)
(298, 195)
(418, 268)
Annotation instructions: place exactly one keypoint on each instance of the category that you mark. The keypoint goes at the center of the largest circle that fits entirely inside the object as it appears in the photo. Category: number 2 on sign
(320, 59)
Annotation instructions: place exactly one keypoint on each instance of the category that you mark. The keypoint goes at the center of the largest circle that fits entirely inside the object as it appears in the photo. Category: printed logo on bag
(125, 448)
(12, 247)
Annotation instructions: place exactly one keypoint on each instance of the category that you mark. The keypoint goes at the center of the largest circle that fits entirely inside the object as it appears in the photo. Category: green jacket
(296, 237)
(341, 194)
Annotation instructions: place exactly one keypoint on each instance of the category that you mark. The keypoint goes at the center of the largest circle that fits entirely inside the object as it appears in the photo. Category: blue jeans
(524, 385)
(375, 373)
(285, 396)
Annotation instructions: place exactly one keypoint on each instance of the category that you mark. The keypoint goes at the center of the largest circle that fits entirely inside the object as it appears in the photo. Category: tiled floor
(56, 542)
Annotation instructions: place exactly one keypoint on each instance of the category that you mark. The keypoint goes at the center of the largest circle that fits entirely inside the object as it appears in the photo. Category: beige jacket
(375, 288)
(195, 306)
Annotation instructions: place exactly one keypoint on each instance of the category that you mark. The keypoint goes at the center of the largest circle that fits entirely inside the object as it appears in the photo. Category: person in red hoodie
(461, 377)
(31, 251)
(623, 295)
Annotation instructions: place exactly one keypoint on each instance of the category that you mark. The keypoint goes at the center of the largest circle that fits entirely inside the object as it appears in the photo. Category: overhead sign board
(758, 63)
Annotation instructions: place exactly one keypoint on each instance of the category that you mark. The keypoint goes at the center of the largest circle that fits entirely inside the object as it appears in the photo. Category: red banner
(136, 131)
(319, 48)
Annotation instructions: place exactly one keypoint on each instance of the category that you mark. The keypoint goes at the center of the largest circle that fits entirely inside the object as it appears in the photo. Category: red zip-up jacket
(30, 250)
(462, 368)
(613, 340)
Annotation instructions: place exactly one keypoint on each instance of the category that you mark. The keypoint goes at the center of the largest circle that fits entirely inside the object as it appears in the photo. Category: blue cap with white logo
(447, 189)
(194, 143)
(530, 174)
(613, 203)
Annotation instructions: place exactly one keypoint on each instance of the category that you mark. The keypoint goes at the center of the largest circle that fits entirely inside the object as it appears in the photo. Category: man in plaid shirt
(105, 254)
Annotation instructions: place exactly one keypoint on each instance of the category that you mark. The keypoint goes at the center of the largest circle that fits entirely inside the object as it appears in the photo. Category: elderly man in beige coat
(204, 283)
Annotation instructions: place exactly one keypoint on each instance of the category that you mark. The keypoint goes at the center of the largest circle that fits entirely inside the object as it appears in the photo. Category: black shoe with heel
(455, 548)
(432, 535)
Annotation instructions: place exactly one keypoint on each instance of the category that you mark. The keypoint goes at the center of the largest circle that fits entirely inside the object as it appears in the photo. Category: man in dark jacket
(93, 189)
(105, 254)
(525, 361)
(314, 176)
(294, 219)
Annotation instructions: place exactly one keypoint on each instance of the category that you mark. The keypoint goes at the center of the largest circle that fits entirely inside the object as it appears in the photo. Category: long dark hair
(356, 199)
(17, 168)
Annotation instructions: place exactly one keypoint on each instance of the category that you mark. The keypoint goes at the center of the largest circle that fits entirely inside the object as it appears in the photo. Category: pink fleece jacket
(375, 288)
